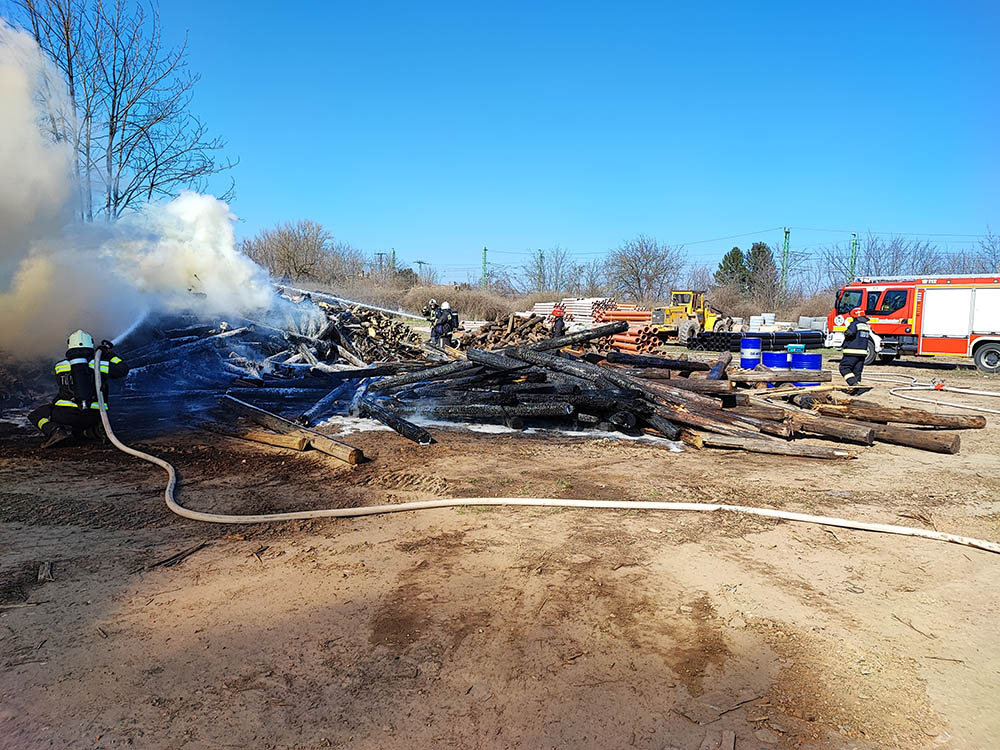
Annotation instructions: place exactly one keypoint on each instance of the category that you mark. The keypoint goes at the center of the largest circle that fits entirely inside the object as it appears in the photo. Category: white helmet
(80, 340)
(445, 306)
(432, 301)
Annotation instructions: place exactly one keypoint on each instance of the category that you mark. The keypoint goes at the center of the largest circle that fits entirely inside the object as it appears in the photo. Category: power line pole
(784, 262)
(482, 281)
(420, 265)
(393, 261)
(381, 257)
(852, 268)
(541, 269)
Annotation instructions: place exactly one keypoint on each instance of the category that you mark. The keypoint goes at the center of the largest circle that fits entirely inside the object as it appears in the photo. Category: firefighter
(855, 348)
(446, 323)
(430, 311)
(559, 324)
(75, 410)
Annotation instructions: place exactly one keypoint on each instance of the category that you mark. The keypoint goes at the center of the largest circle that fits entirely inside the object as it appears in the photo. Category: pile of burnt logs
(507, 330)
(702, 403)
(288, 361)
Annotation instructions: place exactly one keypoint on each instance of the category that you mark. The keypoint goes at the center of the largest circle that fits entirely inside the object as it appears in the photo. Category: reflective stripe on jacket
(75, 376)
(856, 338)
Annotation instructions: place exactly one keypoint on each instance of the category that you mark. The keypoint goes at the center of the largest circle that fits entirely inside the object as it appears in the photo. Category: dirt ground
(499, 628)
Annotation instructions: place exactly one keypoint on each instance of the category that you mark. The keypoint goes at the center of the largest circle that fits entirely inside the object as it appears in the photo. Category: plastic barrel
(807, 362)
(749, 353)
(775, 361)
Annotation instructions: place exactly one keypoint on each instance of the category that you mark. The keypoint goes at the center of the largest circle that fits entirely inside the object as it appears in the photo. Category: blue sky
(438, 128)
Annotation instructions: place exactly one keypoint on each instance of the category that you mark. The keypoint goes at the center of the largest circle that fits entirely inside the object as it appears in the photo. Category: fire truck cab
(955, 316)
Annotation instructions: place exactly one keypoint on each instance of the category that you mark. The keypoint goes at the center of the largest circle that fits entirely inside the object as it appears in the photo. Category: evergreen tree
(733, 270)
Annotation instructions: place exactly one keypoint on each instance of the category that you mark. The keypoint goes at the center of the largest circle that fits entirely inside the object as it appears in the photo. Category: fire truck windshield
(848, 299)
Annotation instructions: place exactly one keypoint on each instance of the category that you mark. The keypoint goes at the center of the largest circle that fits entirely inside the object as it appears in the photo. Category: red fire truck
(944, 315)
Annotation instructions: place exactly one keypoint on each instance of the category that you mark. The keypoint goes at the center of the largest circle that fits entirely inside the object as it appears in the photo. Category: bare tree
(305, 250)
(643, 269)
(989, 253)
(878, 256)
(594, 278)
(134, 134)
(699, 278)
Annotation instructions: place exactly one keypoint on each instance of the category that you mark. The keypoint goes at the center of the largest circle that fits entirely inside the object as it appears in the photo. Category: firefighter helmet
(80, 340)
(445, 305)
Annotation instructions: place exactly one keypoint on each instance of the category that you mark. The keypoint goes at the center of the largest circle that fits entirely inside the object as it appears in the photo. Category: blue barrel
(807, 362)
(749, 353)
(774, 361)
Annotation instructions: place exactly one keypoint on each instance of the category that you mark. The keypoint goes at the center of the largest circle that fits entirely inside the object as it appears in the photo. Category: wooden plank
(317, 440)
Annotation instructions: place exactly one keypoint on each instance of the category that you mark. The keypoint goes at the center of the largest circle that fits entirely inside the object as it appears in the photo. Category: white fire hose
(372, 510)
(912, 384)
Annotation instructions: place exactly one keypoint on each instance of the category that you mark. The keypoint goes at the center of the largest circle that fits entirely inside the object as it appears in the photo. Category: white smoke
(58, 274)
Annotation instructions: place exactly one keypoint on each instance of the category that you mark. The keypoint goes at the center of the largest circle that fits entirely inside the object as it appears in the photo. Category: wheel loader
(687, 316)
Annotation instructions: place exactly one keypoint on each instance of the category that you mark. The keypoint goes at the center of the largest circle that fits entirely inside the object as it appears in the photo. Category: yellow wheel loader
(687, 316)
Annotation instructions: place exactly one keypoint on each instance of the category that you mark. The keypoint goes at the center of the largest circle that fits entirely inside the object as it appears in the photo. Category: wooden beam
(319, 441)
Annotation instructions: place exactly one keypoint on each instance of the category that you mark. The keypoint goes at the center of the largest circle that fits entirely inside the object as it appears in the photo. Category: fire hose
(372, 510)
(935, 385)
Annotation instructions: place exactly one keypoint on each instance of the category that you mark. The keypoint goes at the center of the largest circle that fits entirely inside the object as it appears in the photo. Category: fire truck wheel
(870, 357)
(987, 357)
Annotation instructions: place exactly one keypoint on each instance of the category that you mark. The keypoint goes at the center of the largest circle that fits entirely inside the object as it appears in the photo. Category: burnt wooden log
(317, 440)
(624, 419)
(323, 348)
(581, 337)
(662, 425)
(370, 409)
(450, 370)
(876, 413)
(478, 411)
(318, 410)
(638, 360)
(494, 360)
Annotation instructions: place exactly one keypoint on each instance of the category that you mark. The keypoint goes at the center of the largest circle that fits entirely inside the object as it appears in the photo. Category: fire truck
(938, 316)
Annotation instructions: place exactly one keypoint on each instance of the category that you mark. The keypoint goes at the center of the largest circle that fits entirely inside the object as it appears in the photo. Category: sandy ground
(499, 628)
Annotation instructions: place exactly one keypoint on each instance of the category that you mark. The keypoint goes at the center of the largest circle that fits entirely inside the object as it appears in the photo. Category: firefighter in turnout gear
(446, 323)
(855, 348)
(559, 324)
(75, 410)
(430, 311)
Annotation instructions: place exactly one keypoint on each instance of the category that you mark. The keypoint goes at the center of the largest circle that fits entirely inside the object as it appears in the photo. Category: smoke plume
(57, 273)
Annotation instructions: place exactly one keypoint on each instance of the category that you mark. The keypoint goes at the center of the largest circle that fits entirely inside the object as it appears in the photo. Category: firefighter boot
(57, 435)
(95, 433)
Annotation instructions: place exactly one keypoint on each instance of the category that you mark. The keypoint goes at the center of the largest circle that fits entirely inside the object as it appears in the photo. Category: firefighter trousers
(851, 366)
(46, 418)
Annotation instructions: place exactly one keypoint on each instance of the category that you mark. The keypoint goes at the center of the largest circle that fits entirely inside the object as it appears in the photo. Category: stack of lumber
(507, 330)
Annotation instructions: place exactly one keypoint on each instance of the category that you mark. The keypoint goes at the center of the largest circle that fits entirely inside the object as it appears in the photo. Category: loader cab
(682, 299)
